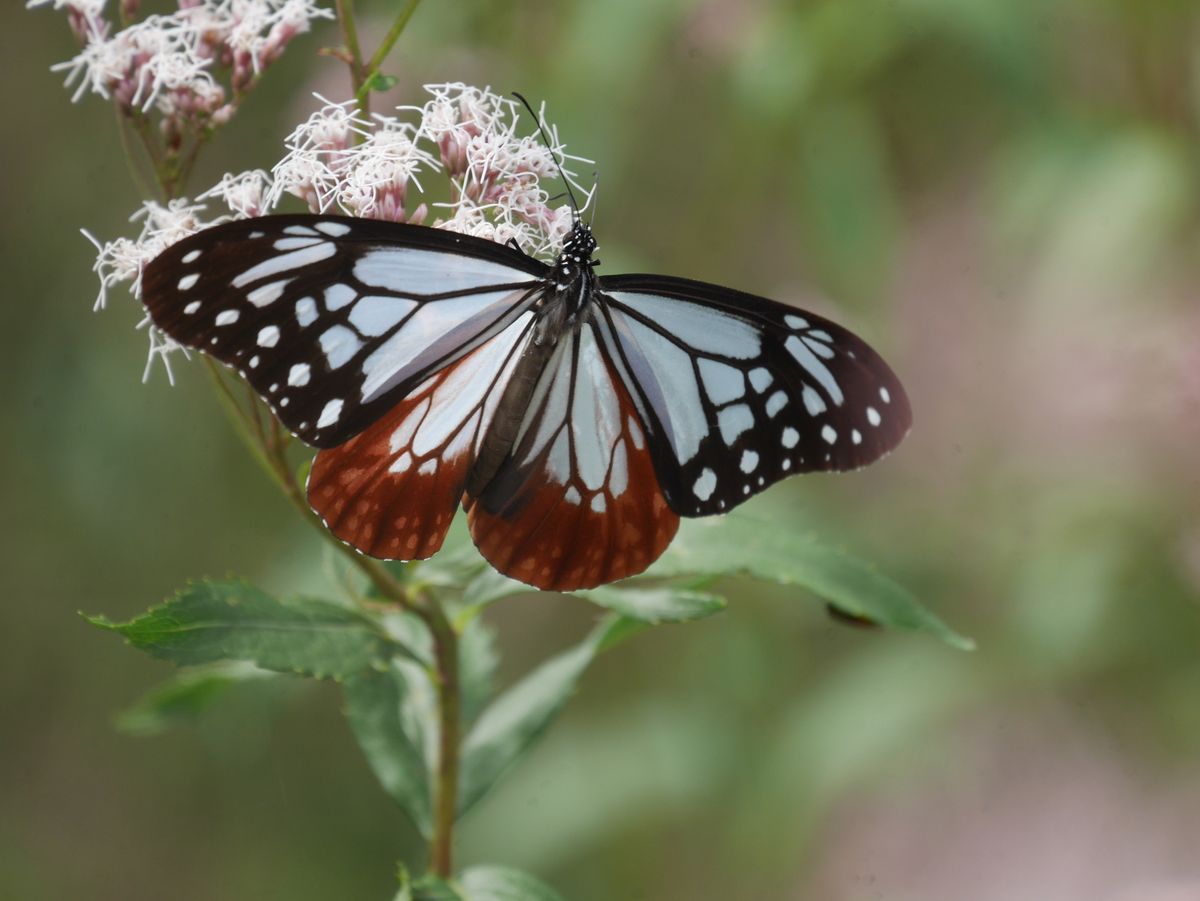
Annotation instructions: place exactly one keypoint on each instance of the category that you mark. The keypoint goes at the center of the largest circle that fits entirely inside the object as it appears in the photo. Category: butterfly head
(576, 254)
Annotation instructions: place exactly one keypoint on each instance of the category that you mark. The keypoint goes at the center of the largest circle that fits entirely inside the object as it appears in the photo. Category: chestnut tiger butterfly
(576, 417)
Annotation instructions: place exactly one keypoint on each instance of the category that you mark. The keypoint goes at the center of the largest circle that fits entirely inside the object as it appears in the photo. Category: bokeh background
(1000, 194)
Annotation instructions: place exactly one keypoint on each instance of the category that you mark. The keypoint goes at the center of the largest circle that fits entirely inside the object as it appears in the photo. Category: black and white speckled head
(575, 258)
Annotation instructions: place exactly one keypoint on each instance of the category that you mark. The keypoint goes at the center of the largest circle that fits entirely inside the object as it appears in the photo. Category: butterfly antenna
(553, 154)
(592, 198)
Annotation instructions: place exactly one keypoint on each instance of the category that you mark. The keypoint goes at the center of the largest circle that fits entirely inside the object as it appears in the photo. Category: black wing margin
(331, 319)
(738, 392)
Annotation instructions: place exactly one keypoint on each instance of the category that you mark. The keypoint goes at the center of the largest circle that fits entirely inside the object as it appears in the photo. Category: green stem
(345, 14)
(362, 93)
(445, 798)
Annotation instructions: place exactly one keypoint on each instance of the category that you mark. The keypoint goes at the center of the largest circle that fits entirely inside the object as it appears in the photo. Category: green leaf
(490, 586)
(431, 888)
(477, 662)
(481, 883)
(185, 696)
(374, 707)
(491, 883)
(381, 82)
(212, 621)
(738, 543)
(517, 718)
(663, 604)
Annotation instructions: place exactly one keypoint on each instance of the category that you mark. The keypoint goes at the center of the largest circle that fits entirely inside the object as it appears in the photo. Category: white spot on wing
(829, 433)
(598, 504)
(295, 243)
(796, 322)
(883, 393)
(635, 433)
(873, 416)
(298, 375)
(761, 379)
(330, 413)
(749, 461)
(339, 345)
(618, 477)
(192, 307)
(856, 436)
(285, 262)
(268, 336)
(338, 295)
(776, 402)
(722, 382)
(813, 401)
(187, 281)
(821, 350)
(306, 311)
(333, 229)
(733, 421)
(815, 368)
(191, 256)
(790, 437)
(227, 317)
(375, 316)
(266, 294)
(415, 271)
(705, 485)
(705, 329)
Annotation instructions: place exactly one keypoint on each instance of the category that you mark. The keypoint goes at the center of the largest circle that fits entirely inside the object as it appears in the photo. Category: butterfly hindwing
(392, 490)
(333, 320)
(739, 392)
(576, 503)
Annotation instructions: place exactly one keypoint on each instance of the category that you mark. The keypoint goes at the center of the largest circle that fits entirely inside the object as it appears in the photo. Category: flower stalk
(159, 74)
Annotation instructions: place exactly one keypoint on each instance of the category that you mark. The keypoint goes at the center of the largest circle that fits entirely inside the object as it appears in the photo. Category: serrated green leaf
(213, 621)
(519, 716)
(374, 707)
(185, 696)
(662, 604)
(740, 544)
(492, 883)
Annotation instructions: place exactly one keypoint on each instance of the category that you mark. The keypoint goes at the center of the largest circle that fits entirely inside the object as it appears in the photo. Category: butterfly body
(575, 416)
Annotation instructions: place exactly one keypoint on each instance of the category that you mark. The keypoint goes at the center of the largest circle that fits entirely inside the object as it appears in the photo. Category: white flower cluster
(338, 160)
(167, 60)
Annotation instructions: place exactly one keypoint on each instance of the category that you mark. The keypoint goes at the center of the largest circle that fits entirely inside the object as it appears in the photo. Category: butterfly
(576, 417)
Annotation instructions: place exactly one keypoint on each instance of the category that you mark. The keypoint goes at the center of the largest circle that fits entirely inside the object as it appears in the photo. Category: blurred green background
(1000, 194)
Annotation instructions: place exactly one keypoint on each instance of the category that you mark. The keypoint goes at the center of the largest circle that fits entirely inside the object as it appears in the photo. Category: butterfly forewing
(392, 490)
(739, 392)
(334, 320)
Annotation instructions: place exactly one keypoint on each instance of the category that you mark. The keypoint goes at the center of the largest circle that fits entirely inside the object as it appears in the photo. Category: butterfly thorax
(571, 285)
(563, 308)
